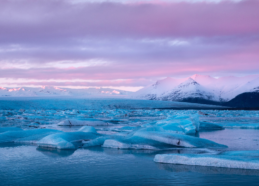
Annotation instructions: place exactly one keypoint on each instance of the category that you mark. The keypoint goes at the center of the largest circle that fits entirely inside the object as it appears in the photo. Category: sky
(125, 44)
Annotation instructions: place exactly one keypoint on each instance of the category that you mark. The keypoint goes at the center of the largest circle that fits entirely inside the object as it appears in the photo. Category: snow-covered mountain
(157, 89)
(189, 89)
(200, 86)
(56, 91)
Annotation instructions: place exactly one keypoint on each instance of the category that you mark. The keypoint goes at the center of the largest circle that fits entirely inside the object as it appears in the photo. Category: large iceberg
(239, 160)
(143, 139)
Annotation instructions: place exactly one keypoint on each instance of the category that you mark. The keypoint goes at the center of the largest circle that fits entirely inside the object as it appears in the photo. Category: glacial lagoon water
(22, 164)
(29, 165)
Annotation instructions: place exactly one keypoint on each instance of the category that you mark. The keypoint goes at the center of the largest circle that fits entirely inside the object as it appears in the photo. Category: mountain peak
(188, 82)
(194, 76)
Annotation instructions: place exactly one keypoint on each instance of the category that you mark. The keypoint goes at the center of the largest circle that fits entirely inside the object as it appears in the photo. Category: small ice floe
(181, 124)
(88, 122)
(231, 159)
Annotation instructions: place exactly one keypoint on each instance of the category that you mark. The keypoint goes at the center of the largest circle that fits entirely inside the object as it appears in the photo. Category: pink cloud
(222, 38)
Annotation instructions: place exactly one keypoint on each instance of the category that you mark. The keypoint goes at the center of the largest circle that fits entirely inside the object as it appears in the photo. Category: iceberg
(249, 153)
(181, 124)
(66, 140)
(87, 129)
(221, 160)
(25, 136)
(96, 142)
(143, 139)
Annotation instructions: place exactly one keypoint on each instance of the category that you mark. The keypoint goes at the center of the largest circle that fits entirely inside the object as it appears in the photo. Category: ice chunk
(95, 142)
(100, 140)
(181, 124)
(89, 122)
(159, 140)
(25, 136)
(66, 140)
(195, 121)
(227, 161)
(110, 143)
(125, 129)
(87, 129)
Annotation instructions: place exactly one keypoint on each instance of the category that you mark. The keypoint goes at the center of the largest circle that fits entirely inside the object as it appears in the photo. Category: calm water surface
(29, 165)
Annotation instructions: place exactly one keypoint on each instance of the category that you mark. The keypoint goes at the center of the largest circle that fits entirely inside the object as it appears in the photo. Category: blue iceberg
(66, 140)
(234, 159)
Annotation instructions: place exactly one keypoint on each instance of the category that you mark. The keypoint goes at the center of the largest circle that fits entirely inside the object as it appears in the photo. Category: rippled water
(29, 165)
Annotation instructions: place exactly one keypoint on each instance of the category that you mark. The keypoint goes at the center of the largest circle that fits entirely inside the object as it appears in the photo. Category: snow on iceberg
(159, 140)
(66, 140)
(89, 122)
(227, 160)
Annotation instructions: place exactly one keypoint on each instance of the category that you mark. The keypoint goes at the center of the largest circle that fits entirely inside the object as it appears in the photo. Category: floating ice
(89, 122)
(100, 140)
(181, 124)
(249, 153)
(25, 136)
(228, 161)
(158, 140)
(125, 129)
(87, 129)
(240, 125)
(95, 142)
(66, 140)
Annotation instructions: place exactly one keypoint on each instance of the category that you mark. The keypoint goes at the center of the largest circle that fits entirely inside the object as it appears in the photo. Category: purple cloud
(57, 39)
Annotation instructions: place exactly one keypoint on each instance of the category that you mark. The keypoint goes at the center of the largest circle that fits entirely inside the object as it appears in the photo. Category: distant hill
(46, 91)
(245, 100)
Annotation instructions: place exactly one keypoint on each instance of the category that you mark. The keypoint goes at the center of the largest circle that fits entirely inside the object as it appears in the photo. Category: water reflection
(136, 152)
(55, 153)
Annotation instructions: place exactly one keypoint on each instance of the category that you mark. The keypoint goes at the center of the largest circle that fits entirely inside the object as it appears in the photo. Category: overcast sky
(125, 43)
